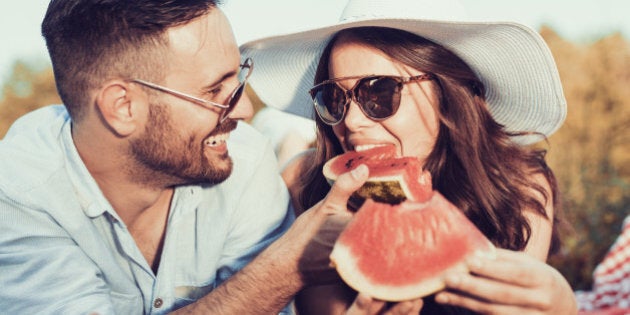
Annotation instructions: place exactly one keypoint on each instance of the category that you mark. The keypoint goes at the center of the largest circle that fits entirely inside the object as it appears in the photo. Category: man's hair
(91, 41)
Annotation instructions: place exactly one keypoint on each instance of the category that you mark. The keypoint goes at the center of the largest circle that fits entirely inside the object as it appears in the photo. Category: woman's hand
(363, 304)
(514, 283)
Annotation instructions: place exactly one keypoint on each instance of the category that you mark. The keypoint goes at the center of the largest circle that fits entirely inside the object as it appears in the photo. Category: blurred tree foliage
(590, 154)
(26, 89)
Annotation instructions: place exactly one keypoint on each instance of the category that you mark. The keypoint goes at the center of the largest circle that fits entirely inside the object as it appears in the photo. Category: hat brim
(523, 87)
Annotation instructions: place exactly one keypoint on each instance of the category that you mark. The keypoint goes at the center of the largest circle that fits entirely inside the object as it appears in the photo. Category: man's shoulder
(30, 153)
(250, 149)
(254, 164)
(247, 138)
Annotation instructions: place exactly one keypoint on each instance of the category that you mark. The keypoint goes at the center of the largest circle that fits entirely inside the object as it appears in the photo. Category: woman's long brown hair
(474, 164)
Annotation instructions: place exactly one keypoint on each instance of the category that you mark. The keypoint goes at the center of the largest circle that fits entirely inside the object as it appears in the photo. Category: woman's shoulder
(295, 166)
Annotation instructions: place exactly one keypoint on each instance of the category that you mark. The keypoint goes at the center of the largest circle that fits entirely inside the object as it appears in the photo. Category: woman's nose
(355, 118)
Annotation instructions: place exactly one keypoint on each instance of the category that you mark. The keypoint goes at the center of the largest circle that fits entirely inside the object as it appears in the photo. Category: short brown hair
(91, 41)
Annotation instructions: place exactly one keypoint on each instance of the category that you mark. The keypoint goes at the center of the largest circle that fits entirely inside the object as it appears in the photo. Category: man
(126, 200)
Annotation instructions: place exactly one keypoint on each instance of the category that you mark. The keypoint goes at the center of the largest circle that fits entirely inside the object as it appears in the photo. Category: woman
(465, 108)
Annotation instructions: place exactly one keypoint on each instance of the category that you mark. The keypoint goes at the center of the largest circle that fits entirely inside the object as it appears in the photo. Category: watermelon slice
(406, 237)
(392, 179)
(400, 252)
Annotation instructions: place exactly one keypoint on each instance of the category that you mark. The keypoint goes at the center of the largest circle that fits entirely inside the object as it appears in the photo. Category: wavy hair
(474, 162)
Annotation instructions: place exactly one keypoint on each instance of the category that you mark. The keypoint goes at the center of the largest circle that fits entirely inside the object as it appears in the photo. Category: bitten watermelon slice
(392, 179)
(406, 237)
(400, 252)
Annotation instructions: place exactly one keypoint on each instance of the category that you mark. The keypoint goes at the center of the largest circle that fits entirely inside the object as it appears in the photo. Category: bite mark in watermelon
(406, 237)
(392, 179)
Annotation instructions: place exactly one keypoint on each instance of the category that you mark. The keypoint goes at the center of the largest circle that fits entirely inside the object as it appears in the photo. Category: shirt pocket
(185, 295)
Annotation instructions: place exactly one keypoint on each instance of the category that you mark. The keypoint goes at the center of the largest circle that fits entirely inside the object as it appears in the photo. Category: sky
(577, 20)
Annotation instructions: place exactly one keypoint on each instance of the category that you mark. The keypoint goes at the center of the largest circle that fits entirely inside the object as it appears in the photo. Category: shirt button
(158, 303)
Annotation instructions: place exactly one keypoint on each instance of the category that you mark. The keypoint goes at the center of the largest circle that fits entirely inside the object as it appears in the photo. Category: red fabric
(611, 280)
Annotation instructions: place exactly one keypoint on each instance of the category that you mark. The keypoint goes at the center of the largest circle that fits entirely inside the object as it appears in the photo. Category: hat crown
(439, 10)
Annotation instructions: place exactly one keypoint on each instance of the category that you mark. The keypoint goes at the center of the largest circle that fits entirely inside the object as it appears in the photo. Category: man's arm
(298, 258)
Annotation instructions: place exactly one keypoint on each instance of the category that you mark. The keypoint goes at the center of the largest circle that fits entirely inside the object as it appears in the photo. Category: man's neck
(143, 207)
(148, 228)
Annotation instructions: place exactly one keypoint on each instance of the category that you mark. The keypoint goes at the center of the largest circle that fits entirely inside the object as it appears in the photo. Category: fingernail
(363, 300)
(441, 298)
(453, 280)
(474, 263)
(406, 307)
(359, 172)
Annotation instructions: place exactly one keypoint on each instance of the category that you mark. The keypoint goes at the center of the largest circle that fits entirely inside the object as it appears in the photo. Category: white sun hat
(523, 87)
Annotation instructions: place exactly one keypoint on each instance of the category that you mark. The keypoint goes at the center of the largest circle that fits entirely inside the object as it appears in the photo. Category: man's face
(179, 159)
(183, 143)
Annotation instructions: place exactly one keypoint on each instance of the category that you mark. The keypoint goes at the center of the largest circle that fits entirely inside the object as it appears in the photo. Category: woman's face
(414, 127)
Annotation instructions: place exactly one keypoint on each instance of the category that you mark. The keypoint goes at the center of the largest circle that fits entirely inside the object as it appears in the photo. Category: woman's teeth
(364, 147)
(216, 140)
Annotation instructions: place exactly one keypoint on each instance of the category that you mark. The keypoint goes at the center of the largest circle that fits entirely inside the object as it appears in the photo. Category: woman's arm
(541, 226)
(291, 176)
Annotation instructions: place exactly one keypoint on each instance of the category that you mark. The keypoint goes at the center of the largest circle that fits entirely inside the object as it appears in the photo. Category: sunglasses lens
(243, 75)
(236, 96)
(330, 102)
(379, 97)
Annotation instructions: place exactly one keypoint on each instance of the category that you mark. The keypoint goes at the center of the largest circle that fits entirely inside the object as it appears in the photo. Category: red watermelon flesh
(392, 179)
(400, 252)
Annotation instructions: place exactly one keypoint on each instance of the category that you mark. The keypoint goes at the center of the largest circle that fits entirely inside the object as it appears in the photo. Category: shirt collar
(90, 196)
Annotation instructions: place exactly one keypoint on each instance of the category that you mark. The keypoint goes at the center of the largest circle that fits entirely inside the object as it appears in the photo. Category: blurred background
(590, 154)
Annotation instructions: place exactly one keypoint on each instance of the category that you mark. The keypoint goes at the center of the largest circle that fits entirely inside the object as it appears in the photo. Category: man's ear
(116, 104)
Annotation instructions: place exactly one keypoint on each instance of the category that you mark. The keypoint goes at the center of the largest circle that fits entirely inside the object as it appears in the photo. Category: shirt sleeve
(42, 271)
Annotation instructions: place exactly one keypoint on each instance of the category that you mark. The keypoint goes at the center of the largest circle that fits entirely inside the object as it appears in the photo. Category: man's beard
(167, 159)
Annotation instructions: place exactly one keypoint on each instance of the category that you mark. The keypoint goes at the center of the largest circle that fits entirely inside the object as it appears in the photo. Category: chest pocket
(185, 295)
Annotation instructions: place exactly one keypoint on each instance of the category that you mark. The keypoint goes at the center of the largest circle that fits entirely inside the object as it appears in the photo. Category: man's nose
(243, 109)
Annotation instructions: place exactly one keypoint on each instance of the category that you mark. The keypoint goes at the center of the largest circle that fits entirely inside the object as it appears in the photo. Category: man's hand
(312, 236)
(297, 258)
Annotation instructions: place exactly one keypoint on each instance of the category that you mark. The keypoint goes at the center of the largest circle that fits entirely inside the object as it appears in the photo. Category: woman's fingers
(516, 268)
(513, 281)
(479, 306)
(412, 307)
(364, 304)
(490, 290)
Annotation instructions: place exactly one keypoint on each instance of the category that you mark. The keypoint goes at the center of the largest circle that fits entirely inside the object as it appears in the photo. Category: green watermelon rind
(385, 189)
(389, 189)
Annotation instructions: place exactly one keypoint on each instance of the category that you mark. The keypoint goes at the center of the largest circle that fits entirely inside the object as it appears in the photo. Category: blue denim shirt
(64, 250)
